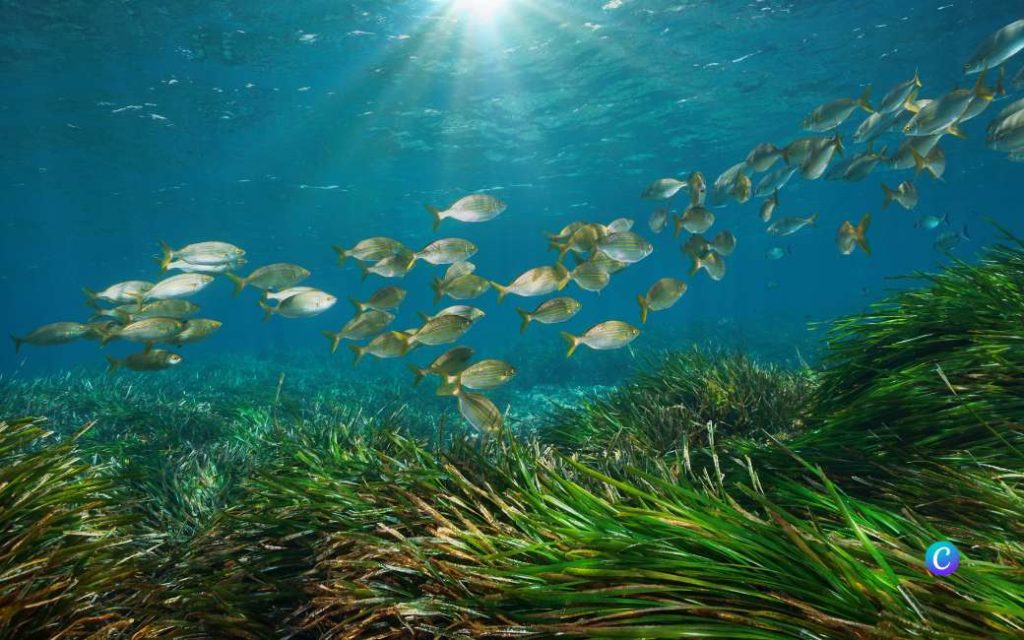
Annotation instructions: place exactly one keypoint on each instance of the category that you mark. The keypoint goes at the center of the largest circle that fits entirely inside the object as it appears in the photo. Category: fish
(725, 183)
(797, 151)
(790, 225)
(934, 163)
(383, 299)
(446, 251)
(149, 330)
(997, 48)
(663, 189)
(273, 277)
(170, 308)
(1007, 134)
(359, 327)
(611, 334)
(724, 243)
(590, 276)
(213, 269)
(861, 165)
(551, 311)
(659, 218)
(942, 115)
(712, 263)
(694, 220)
(695, 245)
(201, 253)
(816, 163)
(777, 253)
(465, 287)
(566, 231)
(195, 330)
(464, 310)
(390, 344)
(478, 207)
(768, 206)
(583, 240)
(660, 296)
(538, 281)
(875, 125)
(832, 114)
(52, 334)
(480, 376)
(618, 225)
(372, 249)
(148, 360)
(763, 156)
(775, 180)
(742, 188)
(395, 266)
(921, 145)
(625, 246)
(899, 96)
(981, 101)
(441, 330)
(948, 240)
(303, 305)
(450, 362)
(479, 411)
(930, 222)
(601, 260)
(120, 293)
(96, 330)
(1003, 118)
(905, 194)
(278, 296)
(179, 286)
(698, 187)
(849, 237)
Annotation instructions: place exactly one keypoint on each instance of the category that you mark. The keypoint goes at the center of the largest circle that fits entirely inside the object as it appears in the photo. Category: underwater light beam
(479, 10)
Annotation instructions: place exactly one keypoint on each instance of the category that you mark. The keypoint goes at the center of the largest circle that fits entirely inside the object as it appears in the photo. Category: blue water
(288, 127)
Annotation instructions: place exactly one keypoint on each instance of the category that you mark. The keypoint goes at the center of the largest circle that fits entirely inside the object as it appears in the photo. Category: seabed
(713, 495)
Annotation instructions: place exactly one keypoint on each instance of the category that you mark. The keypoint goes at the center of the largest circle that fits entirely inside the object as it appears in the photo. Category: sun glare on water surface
(480, 10)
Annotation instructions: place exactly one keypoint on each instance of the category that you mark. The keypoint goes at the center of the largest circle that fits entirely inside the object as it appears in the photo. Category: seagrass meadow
(713, 495)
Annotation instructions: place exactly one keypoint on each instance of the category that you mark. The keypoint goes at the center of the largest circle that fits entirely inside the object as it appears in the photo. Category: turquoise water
(286, 128)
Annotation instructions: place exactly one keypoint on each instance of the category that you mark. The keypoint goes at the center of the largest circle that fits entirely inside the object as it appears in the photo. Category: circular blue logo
(942, 558)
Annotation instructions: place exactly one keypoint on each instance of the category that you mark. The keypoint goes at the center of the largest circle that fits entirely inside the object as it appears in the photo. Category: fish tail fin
(267, 310)
(365, 272)
(917, 79)
(408, 344)
(887, 196)
(449, 388)
(237, 280)
(864, 101)
(166, 254)
(17, 343)
(342, 253)
(837, 140)
(920, 163)
(423, 316)
(434, 211)
(334, 338)
(502, 291)
(910, 105)
(573, 341)
(1000, 88)
(644, 307)
(90, 298)
(862, 230)
(436, 286)
(677, 221)
(358, 351)
(980, 90)
(964, 233)
(355, 303)
(955, 130)
(526, 316)
(812, 219)
(695, 264)
(945, 218)
(112, 364)
(418, 373)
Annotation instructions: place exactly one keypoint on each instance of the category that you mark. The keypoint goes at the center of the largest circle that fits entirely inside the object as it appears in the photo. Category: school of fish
(160, 312)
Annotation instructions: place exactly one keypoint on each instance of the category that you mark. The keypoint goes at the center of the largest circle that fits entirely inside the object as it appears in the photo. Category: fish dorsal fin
(458, 270)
